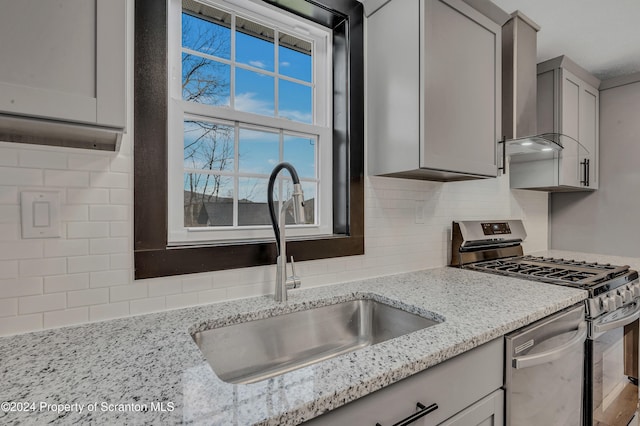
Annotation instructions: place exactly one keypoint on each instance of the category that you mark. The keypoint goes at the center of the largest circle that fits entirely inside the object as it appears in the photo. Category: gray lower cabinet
(433, 91)
(465, 388)
(62, 73)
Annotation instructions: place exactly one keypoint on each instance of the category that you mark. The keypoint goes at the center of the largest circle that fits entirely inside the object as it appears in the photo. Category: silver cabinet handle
(527, 361)
(619, 322)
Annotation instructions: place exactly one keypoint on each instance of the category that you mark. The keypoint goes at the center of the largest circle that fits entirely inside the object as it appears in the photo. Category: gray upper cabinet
(568, 104)
(63, 75)
(434, 90)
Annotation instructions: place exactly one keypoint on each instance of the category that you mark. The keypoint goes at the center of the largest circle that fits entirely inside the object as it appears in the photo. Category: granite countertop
(148, 370)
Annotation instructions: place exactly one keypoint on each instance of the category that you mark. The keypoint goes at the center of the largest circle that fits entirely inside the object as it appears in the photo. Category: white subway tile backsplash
(10, 214)
(66, 317)
(144, 306)
(88, 263)
(21, 177)
(8, 307)
(64, 248)
(196, 284)
(20, 324)
(120, 229)
(212, 296)
(66, 178)
(121, 164)
(121, 196)
(122, 261)
(74, 213)
(88, 196)
(109, 245)
(88, 162)
(42, 159)
(63, 283)
(43, 303)
(109, 180)
(108, 213)
(108, 311)
(8, 195)
(114, 277)
(129, 292)
(94, 296)
(164, 287)
(8, 157)
(43, 267)
(8, 269)
(26, 249)
(88, 230)
(87, 275)
(176, 301)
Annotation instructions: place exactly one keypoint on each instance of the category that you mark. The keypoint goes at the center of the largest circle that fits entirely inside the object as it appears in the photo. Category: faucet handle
(293, 281)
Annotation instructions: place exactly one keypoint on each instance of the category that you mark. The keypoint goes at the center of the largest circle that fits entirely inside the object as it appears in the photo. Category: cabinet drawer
(453, 385)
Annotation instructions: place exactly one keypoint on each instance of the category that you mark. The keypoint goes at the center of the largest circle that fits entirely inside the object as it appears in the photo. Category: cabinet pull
(503, 168)
(423, 411)
(585, 166)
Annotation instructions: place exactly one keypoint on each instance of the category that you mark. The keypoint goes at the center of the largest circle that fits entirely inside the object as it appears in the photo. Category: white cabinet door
(64, 60)
(489, 411)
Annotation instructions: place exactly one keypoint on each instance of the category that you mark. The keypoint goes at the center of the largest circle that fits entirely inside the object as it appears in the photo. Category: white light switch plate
(40, 213)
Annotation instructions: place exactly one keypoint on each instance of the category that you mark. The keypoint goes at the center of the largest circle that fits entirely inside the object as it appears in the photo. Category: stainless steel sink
(256, 350)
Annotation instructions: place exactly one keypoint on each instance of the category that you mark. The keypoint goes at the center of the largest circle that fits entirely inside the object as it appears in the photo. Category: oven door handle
(527, 361)
(620, 322)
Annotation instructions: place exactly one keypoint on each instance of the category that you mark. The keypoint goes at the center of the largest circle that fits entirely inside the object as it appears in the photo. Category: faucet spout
(297, 203)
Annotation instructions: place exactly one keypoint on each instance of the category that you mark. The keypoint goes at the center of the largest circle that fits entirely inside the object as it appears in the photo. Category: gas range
(495, 247)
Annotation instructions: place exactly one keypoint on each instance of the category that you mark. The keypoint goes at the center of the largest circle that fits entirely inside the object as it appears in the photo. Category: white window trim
(322, 127)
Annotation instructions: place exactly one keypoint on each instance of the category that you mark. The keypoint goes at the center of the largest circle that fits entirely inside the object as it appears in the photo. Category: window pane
(206, 29)
(301, 152)
(294, 101)
(254, 93)
(294, 56)
(258, 151)
(205, 81)
(309, 189)
(208, 200)
(208, 146)
(252, 202)
(254, 44)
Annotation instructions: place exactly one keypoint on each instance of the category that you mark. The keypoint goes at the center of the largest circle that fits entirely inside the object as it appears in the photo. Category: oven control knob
(627, 296)
(618, 301)
(636, 289)
(611, 303)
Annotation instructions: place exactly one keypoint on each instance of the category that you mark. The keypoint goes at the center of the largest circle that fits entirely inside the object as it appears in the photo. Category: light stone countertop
(152, 359)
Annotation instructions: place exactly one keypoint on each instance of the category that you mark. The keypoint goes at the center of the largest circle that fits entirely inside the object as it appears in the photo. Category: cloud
(294, 115)
(285, 64)
(257, 64)
(249, 103)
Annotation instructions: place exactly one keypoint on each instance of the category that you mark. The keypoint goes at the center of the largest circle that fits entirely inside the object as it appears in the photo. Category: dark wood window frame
(152, 255)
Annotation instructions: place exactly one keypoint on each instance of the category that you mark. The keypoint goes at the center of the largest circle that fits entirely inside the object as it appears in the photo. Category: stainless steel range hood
(519, 90)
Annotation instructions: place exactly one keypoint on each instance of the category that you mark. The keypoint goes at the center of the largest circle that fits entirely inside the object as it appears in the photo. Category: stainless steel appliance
(612, 309)
(544, 371)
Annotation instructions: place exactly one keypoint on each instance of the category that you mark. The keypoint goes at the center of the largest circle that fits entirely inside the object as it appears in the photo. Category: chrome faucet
(297, 202)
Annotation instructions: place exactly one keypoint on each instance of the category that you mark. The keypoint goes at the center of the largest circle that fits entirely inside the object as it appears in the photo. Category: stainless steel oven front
(611, 368)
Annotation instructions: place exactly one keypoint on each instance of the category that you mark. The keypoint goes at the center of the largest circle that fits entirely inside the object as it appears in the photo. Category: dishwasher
(544, 370)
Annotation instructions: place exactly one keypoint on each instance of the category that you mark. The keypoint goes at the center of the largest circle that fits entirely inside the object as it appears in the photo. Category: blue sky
(254, 92)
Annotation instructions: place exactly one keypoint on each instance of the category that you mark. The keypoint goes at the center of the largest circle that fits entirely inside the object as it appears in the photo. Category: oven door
(612, 367)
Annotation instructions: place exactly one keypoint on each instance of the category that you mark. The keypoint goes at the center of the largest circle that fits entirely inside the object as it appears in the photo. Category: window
(250, 89)
(333, 170)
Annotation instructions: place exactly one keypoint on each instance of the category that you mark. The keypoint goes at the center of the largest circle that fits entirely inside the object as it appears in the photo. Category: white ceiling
(603, 36)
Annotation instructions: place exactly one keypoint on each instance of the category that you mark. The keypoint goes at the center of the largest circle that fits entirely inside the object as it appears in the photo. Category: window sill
(196, 259)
